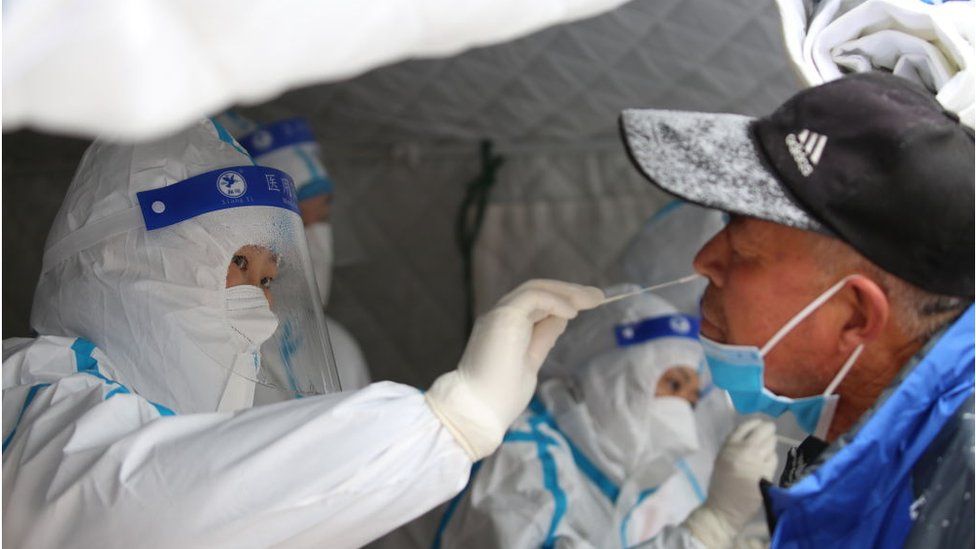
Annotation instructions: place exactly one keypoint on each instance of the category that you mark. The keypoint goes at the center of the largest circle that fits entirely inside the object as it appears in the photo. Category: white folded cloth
(928, 43)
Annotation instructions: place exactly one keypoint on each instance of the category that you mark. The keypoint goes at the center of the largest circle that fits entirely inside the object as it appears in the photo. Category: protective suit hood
(153, 301)
(609, 408)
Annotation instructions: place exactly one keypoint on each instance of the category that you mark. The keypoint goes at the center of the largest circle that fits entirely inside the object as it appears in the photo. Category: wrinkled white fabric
(153, 66)
(607, 411)
(90, 465)
(932, 44)
(111, 434)
(239, 392)
(497, 373)
(319, 236)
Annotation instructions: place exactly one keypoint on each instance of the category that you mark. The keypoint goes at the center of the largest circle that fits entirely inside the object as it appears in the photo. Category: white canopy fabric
(142, 68)
(929, 42)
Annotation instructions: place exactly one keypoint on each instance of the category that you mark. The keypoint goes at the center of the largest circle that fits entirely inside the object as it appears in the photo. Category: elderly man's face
(761, 274)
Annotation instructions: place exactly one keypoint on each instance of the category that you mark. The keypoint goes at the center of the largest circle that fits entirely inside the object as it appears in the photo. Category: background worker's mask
(739, 369)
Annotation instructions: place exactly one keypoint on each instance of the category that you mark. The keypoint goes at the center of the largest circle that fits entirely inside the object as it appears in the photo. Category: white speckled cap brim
(709, 159)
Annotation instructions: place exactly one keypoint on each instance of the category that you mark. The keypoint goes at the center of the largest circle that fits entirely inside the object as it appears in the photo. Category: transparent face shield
(297, 360)
(253, 220)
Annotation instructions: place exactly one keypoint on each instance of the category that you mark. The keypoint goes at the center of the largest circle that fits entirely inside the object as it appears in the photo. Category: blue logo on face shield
(231, 184)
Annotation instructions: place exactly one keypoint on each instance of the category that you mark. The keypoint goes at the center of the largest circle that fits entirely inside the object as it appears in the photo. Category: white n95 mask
(320, 252)
(249, 315)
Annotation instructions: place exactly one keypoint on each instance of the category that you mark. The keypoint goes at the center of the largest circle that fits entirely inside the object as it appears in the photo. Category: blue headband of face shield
(739, 369)
(217, 190)
(291, 133)
(277, 135)
(676, 325)
(672, 325)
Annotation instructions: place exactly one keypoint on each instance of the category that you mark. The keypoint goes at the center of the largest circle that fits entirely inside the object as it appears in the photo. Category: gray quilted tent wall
(402, 142)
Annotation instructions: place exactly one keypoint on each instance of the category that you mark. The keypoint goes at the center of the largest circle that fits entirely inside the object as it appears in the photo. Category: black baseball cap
(872, 159)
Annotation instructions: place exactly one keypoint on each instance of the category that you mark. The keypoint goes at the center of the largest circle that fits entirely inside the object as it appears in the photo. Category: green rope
(469, 220)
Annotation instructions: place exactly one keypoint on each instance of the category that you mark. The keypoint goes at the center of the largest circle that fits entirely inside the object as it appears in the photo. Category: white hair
(919, 313)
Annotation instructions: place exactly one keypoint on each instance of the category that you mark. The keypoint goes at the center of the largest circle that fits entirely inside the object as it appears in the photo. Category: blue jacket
(905, 476)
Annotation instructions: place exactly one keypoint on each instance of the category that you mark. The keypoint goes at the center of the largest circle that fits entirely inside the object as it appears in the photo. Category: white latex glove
(749, 454)
(497, 374)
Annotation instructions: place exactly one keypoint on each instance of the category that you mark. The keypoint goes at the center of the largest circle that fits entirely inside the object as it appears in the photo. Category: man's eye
(240, 261)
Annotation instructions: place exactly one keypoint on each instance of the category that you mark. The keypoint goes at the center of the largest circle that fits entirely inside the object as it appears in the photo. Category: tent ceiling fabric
(142, 68)
(565, 83)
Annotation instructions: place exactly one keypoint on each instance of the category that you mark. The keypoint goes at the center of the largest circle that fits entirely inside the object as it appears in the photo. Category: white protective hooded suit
(111, 434)
(597, 460)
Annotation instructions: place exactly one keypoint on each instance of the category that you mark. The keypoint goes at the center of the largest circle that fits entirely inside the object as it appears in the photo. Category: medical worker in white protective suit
(598, 459)
(290, 146)
(117, 422)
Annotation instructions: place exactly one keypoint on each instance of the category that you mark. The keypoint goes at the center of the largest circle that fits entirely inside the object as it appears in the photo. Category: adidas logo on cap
(806, 148)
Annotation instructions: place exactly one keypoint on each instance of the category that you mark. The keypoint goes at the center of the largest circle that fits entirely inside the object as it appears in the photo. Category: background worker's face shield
(255, 208)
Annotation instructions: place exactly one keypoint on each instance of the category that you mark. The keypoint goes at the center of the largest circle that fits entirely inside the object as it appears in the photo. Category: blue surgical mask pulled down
(739, 370)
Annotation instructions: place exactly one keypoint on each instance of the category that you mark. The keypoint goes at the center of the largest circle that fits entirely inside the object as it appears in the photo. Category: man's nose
(712, 259)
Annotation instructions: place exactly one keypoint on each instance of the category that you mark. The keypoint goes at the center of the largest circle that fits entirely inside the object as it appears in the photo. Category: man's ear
(870, 315)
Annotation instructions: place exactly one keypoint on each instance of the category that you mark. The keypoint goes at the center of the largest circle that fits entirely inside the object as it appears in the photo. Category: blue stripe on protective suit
(690, 475)
(862, 495)
(550, 479)
(550, 476)
(592, 472)
(23, 408)
(221, 189)
(226, 137)
(452, 506)
(623, 524)
(86, 364)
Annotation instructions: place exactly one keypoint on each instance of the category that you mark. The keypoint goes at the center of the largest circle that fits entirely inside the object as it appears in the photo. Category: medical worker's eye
(266, 282)
(240, 261)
